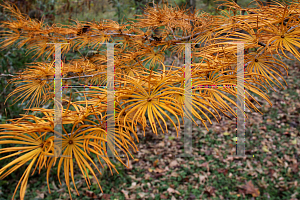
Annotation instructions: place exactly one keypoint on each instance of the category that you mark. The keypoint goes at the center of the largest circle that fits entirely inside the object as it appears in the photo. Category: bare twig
(8, 75)
(261, 44)
(115, 34)
(74, 77)
(85, 76)
(173, 34)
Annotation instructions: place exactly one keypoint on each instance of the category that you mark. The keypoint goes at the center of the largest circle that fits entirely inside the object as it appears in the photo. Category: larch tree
(147, 91)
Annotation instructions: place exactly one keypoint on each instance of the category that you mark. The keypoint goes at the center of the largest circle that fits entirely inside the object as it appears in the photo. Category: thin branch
(191, 36)
(85, 76)
(261, 44)
(115, 34)
(8, 75)
(144, 37)
(74, 77)
(173, 34)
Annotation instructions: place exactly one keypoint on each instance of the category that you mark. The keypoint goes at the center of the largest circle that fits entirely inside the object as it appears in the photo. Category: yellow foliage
(142, 94)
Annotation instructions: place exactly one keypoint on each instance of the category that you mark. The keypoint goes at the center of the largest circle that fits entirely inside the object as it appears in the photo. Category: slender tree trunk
(191, 4)
(119, 15)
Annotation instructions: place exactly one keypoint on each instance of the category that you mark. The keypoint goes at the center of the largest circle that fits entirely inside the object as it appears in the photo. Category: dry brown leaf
(224, 171)
(125, 193)
(205, 165)
(210, 191)
(161, 144)
(162, 196)
(157, 170)
(133, 186)
(155, 163)
(106, 196)
(147, 176)
(250, 189)
(174, 163)
(171, 190)
(202, 179)
(90, 194)
(174, 174)
(40, 195)
(142, 194)
(295, 168)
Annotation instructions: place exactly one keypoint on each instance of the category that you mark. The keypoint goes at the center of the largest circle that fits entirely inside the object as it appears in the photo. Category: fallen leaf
(125, 193)
(210, 191)
(171, 137)
(106, 196)
(275, 175)
(224, 171)
(171, 190)
(157, 170)
(155, 163)
(174, 174)
(54, 186)
(40, 195)
(249, 165)
(259, 169)
(265, 149)
(264, 128)
(208, 152)
(90, 194)
(269, 163)
(142, 194)
(161, 144)
(226, 133)
(250, 189)
(240, 191)
(186, 179)
(174, 163)
(158, 175)
(205, 165)
(133, 186)
(295, 168)
(147, 176)
(202, 179)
